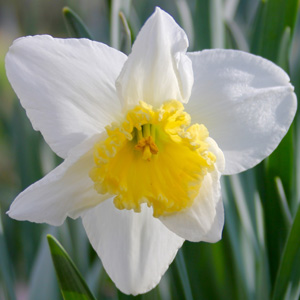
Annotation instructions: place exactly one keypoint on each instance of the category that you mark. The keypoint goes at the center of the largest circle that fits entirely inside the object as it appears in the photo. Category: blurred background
(258, 257)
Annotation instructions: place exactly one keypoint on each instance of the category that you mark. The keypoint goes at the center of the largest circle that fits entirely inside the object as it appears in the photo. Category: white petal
(204, 220)
(135, 248)
(215, 232)
(245, 101)
(158, 68)
(67, 86)
(65, 191)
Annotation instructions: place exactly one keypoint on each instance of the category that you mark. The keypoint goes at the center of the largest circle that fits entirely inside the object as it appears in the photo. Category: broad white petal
(245, 101)
(65, 191)
(204, 220)
(67, 86)
(158, 68)
(135, 248)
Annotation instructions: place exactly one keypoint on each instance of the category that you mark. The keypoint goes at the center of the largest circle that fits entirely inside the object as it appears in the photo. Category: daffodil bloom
(145, 139)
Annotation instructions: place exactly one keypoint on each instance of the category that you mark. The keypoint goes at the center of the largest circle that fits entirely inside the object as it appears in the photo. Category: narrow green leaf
(6, 276)
(284, 205)
(272, 41)
(296, 186)
(263, 289)
(243, 190)
(175, 285)
(279, 164)
(116, 6)
(289, 261)
(209, 266)
(217, 24)
(75, 25)
(284, 49)
(257, 28)
(247, 245)
(126, 35)
(275, 17)
(183, 274)
(186, 20)
(233, 227)
(236, 35)
(93, 276)
(71, 283)
(202, 25)
(26, 145)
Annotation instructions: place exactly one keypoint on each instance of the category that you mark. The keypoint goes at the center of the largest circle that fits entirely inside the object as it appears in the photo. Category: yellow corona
(154, 156)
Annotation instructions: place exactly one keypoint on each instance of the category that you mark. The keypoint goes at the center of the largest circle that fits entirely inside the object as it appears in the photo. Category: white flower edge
(67, 87)
(135, 248)
(65, 191)
(158, 68)
(246, 102)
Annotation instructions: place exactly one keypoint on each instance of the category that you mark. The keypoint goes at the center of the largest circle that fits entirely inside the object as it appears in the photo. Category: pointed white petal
(135, 248)
(204, 220)
(67, 86)
(65, 191)
(158, 68)
(245, 101)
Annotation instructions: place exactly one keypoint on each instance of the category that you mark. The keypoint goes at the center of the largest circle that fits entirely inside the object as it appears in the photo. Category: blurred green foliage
(259, 255)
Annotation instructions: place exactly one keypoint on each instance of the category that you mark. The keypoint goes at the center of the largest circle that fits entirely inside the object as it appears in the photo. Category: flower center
(154, 156)
(146, 141)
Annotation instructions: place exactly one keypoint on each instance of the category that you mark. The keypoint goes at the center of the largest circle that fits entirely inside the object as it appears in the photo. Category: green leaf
(296, 186)
(26, 147)
(183, 274)
(75, 25)
(6, 276)
(236, 36)
(186, 20)
(284, 49)
(272, 40)
(116, 6)
(283, 201)
(202, 25)
(26, 150)
(72, 285)
(126, 35)
(279, 164)
(275, 16)
(257, 26)
(217, 24)
(245, 233)
(289, 261)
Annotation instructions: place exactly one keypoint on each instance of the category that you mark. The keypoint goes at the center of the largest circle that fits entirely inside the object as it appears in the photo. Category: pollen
(155, 157)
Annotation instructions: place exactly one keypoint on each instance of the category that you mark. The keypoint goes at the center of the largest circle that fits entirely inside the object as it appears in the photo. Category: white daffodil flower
(144, 139)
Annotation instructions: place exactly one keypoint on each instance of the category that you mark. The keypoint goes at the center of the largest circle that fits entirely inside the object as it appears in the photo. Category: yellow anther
(147, 146)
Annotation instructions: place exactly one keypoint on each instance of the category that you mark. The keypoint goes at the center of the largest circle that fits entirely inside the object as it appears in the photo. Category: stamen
(146, 141)
(139, 134)
(146, 130)
(153, 132)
